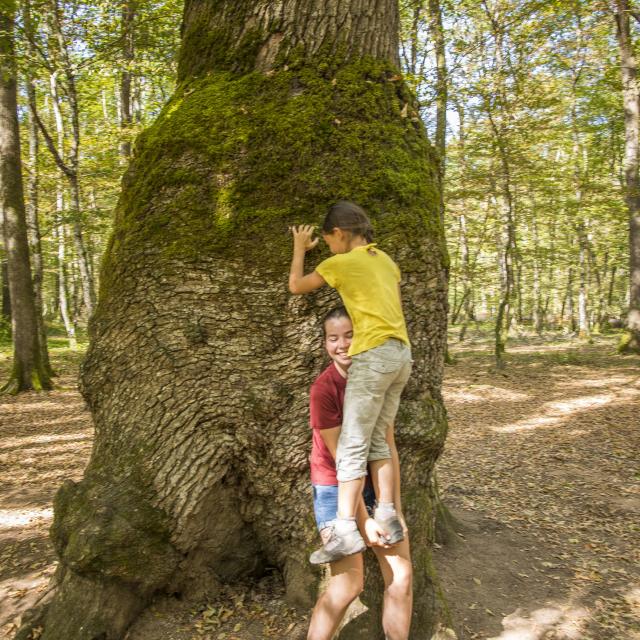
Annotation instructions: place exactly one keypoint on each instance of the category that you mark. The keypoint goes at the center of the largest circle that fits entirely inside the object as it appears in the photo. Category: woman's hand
(302, 237)
(374, 534)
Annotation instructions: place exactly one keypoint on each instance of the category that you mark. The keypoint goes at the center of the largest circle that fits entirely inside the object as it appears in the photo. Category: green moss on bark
(113, 533)
(233, 156)
(629, 343)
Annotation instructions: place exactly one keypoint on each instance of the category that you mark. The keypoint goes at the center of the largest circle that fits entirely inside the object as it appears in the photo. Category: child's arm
(302, 242)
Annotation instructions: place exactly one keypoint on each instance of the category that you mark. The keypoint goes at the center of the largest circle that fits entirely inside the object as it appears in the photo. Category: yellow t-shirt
(367, 280)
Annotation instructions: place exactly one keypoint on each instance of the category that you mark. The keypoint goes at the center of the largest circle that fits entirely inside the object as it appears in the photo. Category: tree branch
(49, 141)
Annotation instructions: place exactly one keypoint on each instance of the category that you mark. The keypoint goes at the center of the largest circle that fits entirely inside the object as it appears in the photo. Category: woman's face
(339, 333)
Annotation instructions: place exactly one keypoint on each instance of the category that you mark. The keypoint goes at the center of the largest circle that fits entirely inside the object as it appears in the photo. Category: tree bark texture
(245, 35)
(28, 371)
(630, 95)
(200, 360)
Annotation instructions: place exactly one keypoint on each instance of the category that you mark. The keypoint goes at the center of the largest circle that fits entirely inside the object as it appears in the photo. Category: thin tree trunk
(498, 122)
(599, 319)
(465, 261)
(466, 273)
(128, 16)
(584, 330)
(629, 70)
(519, 315)
(501, 327)
(538, 311)
(6, 298)
(70, 166)
(552, 298)
(33, 224)
(28, 371)
(568, 304)
(437, 35)
(63, 295)
(612, 284)
(62, 279)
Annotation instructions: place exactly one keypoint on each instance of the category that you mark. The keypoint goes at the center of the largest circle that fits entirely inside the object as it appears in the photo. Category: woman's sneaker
(390, 522)
(343, 540)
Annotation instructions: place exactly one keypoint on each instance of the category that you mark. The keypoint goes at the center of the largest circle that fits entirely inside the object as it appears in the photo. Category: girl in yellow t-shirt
(368, 282)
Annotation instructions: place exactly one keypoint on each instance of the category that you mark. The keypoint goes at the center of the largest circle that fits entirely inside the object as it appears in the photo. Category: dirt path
(44, 439)
(543, 466)
(541, 469)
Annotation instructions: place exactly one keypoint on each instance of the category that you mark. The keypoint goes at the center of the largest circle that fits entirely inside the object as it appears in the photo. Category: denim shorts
(374, 384)
(325, 502)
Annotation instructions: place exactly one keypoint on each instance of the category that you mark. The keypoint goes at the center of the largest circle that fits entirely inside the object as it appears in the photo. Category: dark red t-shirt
(325, 408)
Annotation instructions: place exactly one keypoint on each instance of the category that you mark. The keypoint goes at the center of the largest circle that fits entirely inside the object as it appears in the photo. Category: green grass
(64, 360)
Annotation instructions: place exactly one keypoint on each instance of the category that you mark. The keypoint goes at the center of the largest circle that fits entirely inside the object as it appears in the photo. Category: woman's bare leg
(395, 565)
(345, 585)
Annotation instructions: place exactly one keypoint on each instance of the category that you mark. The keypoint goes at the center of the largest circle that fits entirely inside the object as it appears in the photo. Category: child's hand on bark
(302, 237)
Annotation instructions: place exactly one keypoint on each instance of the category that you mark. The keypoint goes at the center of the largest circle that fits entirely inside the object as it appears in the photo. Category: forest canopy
(534, 156)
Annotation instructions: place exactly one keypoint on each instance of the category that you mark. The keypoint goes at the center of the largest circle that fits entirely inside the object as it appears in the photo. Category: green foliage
(5, 331)
(551, 82)
(542, 82)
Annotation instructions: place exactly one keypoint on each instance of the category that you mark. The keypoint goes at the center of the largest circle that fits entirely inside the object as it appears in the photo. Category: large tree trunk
(630, 94)
(200, 361)
(28, 371)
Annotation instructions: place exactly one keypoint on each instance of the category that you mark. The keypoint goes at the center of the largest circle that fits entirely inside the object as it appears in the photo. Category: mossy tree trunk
(200, 361)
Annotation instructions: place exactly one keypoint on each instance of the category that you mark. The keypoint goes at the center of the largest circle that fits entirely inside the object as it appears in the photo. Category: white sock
(344, 525)
(385, 509)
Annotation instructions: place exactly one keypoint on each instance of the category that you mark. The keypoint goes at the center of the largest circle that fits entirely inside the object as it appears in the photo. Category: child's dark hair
(334, 314)
(348, 216)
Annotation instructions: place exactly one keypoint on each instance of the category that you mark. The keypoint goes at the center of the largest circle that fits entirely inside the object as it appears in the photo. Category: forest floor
(541, 470)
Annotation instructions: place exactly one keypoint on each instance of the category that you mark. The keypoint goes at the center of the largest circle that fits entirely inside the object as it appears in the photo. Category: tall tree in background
(199, 365)
(128, 17)
(68, 163)
(28, 370)
(496, 103)
(437, 35)
(629, 70)
(33, 222)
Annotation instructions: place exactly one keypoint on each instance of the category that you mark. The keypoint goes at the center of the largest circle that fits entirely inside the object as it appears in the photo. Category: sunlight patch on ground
(14, 518)
(11, 443)
(484, 392)
(464, 397)
(584, 383)
(566, 623)
(49, 405)
(554, 412)
(541, 348)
